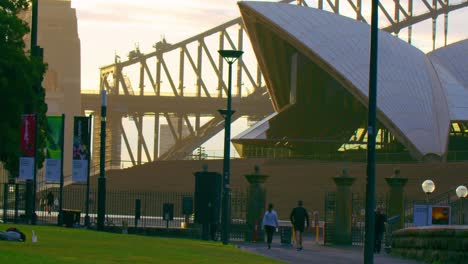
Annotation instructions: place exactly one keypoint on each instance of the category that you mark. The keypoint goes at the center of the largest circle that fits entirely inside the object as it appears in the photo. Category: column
(396, 203)
(255, 205)
(343, 209)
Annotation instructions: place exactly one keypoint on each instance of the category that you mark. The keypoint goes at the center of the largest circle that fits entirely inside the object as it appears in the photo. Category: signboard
(187, 205)
(80, 149)
(425, 215)
(26, 170)
(440, 215)
(421, 215)
(54, 141)
(168, 211)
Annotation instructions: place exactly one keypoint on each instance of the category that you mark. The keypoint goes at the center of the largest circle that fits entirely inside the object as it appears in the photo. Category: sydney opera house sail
(316, 68)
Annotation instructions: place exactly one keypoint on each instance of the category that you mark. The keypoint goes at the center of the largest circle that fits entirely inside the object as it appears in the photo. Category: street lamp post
(230, 56)
(36, 52)
(428, 187)
(371, 139)
(462, 192)
(102, 160)
(87, 218)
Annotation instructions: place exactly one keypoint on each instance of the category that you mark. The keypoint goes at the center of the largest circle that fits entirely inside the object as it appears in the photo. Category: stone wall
(289, 180)
(432, 244)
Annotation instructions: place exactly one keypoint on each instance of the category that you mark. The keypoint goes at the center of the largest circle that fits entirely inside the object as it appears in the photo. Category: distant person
(270, 223)
(380, 219)
(13, 234)
(50, 202)
(299, 218)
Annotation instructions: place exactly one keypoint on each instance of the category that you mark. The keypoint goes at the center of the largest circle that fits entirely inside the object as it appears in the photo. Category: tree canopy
(20, 89)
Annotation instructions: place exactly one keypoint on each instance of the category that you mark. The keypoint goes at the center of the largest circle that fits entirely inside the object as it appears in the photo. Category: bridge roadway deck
(259, 105)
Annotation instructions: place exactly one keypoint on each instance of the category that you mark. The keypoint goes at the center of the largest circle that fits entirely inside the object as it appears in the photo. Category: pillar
(255, 205)
(396, 203)
(343, 235)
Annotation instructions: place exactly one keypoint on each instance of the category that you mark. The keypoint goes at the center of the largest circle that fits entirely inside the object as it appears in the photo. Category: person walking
(380, 219)
(50, 202)
(270, 223)
(299, 218)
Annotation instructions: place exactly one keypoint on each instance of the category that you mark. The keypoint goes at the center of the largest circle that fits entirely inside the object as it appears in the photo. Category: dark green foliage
(18, 75)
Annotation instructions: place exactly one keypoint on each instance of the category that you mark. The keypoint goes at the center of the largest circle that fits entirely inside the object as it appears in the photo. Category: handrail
(446, 196)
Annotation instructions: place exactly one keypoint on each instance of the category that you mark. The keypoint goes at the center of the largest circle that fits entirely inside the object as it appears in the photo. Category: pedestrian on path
(380, 219)
(270, 223)
(50, 202)
(299, 218)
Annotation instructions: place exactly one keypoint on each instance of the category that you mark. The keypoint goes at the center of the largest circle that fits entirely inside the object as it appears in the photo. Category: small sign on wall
(440, 215)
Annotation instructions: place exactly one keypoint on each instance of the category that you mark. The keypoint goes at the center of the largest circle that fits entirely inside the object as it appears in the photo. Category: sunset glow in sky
(108, 27)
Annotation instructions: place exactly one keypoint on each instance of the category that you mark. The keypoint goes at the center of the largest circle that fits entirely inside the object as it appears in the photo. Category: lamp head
(230, 55)
(428, 186)
(461, 191)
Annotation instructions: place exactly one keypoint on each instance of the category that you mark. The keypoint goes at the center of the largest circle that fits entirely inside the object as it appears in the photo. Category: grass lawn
(68, 245)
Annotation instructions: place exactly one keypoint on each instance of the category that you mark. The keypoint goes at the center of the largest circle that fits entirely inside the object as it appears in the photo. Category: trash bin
(285, 234)
(71, 217)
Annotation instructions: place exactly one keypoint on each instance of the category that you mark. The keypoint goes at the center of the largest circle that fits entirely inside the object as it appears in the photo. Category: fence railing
(120, 207)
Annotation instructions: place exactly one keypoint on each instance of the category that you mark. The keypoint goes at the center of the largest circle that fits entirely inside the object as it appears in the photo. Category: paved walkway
(315, 253)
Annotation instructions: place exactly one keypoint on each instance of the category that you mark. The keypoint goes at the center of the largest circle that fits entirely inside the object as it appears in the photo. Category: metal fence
(458, 213)
(330, 212)
(458, 207)
(120, 207)
(358, 213)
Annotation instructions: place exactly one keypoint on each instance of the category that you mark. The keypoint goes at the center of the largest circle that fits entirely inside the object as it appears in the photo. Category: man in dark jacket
(380, 219)
(299, 218)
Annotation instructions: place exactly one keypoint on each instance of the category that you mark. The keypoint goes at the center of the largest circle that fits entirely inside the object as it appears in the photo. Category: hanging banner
(80, 149)
(28, 135)
(54, 148)
(28, 146)
(26, 170)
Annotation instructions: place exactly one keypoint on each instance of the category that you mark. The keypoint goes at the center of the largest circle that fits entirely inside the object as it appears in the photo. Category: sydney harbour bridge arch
(180, 86)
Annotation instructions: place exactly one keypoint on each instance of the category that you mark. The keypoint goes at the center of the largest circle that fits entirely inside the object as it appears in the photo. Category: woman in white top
(270, 223)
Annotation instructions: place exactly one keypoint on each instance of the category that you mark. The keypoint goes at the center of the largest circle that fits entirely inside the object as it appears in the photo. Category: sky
(109, 27)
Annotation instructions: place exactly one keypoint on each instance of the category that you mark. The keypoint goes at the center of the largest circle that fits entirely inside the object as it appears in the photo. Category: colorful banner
(54, 148)
(80, 149)
(28, 135)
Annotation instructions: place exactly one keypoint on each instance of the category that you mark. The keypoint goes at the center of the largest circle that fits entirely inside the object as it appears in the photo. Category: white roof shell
(411, 99)
(451, 64)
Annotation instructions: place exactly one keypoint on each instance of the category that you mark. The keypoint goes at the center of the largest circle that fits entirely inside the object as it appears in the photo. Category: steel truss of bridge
(135, 86)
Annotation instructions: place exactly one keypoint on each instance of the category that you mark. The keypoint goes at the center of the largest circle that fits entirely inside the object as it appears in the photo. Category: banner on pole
(28, 146)
(80, 149)
(26, 170)
(28, 135)
(54, 148)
